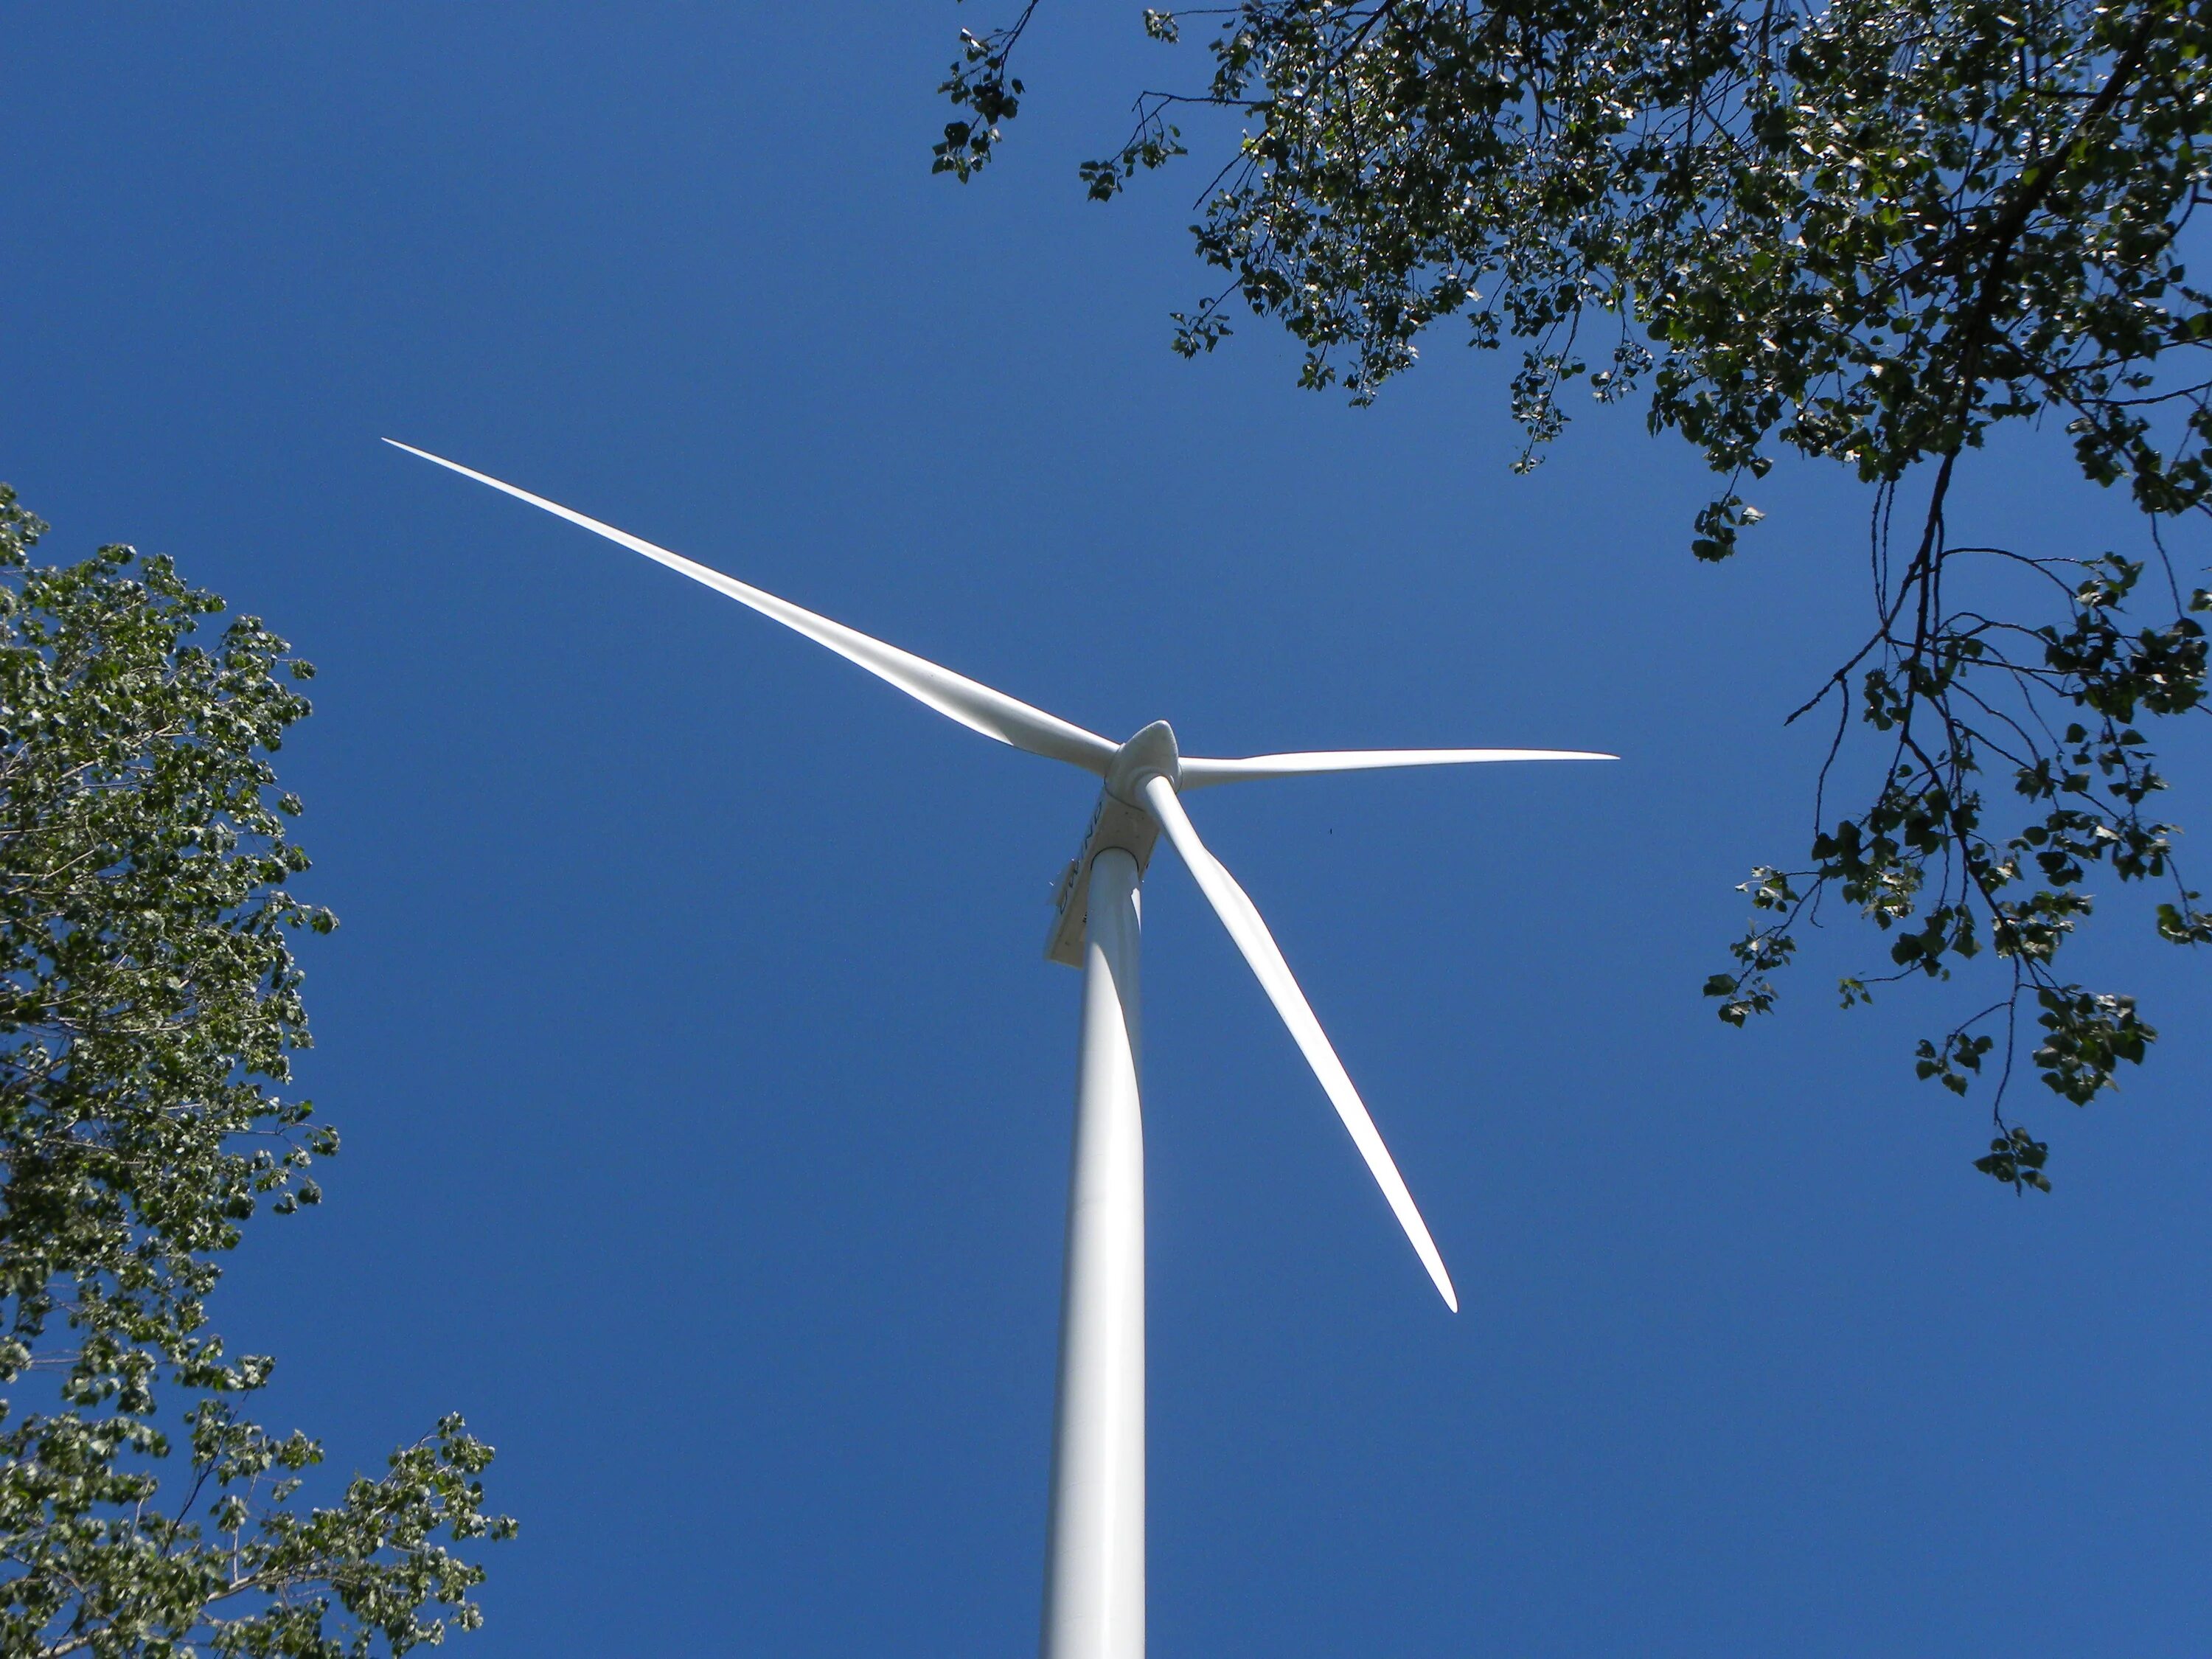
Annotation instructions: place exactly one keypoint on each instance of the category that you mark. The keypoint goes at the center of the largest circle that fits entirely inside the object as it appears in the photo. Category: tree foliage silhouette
(150, 1003)
(1867, 231)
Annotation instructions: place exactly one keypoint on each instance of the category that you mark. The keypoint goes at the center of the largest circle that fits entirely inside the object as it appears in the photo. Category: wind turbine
(1094, 1602)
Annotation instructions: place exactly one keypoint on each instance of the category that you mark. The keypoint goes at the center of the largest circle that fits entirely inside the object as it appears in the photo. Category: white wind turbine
(1094, 1602)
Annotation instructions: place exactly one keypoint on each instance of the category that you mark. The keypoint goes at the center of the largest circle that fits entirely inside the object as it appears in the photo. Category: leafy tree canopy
(1868, 231)
(148, 1005)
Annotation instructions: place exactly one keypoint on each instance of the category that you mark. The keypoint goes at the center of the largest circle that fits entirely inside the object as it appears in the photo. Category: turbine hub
(1152, 749)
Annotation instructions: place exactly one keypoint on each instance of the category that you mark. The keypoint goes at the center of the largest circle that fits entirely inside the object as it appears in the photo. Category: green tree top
(150, 1003)
(1868, 231)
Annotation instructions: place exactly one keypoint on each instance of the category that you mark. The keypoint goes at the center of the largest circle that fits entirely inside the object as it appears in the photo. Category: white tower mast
(1094, 1585)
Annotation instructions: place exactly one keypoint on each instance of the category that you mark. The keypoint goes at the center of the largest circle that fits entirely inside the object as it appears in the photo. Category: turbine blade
(976, 707)
(1198, 773)
(1242, 920)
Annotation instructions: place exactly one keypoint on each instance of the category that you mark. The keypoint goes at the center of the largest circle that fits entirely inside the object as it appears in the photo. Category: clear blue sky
(706, 1096)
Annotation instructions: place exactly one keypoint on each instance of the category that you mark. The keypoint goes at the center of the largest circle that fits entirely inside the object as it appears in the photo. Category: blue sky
(706, 1095)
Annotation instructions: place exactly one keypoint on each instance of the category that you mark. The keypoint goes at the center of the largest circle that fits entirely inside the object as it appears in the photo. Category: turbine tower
(1094, 1597)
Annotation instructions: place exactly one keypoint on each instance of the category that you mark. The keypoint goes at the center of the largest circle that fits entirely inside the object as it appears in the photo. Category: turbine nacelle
(1119, 821)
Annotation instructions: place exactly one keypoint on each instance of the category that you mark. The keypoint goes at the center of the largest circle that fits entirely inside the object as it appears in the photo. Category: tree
(1867, 231)
(148, 1005)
